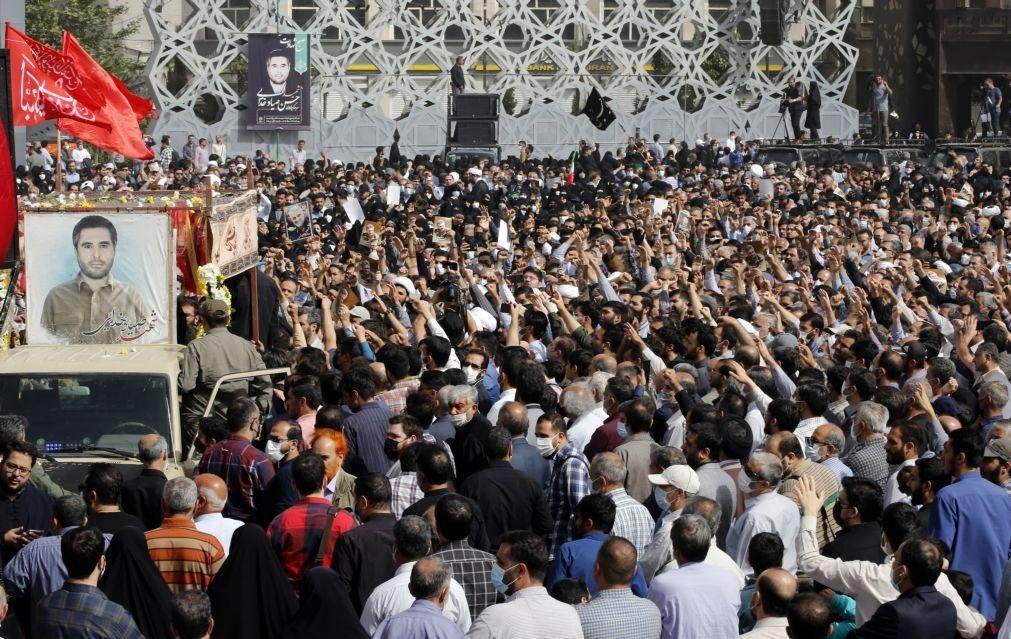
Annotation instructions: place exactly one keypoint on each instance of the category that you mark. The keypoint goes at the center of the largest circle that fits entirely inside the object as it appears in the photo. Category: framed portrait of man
(99, 278)
(279, 81)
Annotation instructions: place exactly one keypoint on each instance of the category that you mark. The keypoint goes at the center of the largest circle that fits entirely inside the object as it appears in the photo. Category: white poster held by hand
(354, 210)
(503, 236)
(392, 194)
(659, 206)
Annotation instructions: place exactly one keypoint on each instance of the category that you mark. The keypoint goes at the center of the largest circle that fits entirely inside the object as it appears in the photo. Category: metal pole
(484, 52)
(59, 159)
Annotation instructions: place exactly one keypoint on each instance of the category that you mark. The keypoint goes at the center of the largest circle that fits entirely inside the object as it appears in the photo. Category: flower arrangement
(211, 285)
(92, 199)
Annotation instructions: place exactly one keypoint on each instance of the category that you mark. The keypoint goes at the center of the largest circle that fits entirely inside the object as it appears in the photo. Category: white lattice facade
(679, 68)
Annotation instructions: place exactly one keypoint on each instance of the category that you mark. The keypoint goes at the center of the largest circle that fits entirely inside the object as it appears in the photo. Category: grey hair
(611, 467)
(442, 395)
(214, 501)
(412, 536)
(836, 439)
(773, 320)
(312, 315)
(154, 452)
(667, 456)
(770, 467)
(598, 382)
(996, 392)
(512, 416)
(429, 577)
(710, 509)
(180, 495)
(463, 391)
(687, 368)
(875, 415)
(577, 400)
(691, 534)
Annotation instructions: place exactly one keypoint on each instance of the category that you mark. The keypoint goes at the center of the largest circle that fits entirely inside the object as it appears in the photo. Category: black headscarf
(325, 606)
(251, 596)
(132, 580)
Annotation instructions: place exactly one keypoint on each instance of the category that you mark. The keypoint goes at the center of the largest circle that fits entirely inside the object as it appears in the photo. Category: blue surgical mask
(660, 495)
(622, 430)
(811, 452)
(498, 579)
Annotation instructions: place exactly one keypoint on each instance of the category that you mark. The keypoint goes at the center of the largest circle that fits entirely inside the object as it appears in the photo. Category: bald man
(774, 590)
(212, 495)
(615, 606)
(825, 445)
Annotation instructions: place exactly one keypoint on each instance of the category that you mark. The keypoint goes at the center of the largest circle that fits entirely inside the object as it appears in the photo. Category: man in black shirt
(142, 494)
(795, 102)
(101, 489)
(363, 556)
(25, 511)
(435, 472)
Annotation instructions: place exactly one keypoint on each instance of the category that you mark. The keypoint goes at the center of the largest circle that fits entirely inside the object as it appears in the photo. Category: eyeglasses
(14, 469)
(277, 440)
(752, 474)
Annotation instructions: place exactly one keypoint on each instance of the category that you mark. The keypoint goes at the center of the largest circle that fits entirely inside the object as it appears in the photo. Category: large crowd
(668, 392)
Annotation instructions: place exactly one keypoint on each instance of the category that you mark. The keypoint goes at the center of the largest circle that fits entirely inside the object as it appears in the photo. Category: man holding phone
(25, 511)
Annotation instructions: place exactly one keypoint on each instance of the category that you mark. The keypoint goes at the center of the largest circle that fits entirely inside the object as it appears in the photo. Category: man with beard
(857, 511)
(702, 449)
(927, 480)
(904, 444)
(331, 446)
(94, 307)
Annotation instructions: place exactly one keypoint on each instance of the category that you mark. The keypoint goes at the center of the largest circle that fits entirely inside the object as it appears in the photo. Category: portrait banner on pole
(233, 233)
(99, 278)
(279, 82)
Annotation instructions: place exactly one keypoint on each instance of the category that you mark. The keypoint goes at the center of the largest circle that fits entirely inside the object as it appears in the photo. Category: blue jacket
(973, 516)
(575, 559)
(529, 460)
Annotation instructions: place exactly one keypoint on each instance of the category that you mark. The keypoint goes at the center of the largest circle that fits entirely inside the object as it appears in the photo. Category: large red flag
(124, 135)
(142, 107)
(45, 84)
(8, 196)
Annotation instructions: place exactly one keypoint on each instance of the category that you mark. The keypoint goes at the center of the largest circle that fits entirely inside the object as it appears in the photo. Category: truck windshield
(89, 409)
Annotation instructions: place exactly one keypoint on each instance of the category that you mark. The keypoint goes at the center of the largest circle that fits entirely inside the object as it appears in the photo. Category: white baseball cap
(678, 476)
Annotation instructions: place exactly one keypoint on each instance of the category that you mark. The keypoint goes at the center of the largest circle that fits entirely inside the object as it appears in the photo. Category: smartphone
(453, 266)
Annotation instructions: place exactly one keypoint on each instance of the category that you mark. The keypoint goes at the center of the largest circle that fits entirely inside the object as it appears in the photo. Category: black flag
(597, 110)
(395, 148)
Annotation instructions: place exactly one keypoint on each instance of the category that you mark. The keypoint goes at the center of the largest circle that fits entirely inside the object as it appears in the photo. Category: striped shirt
(632, 520)
(187, 558)
(827, 485)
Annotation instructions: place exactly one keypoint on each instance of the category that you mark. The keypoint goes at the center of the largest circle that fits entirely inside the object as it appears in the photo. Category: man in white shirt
(774, 590)
(764, 511)
(584, 413)
(670, 490)
(529, 612)
(813, 401)
(212, 495)
(697, 599)
(904, 444)
(710, 510)
(412, 540)
(870, 584)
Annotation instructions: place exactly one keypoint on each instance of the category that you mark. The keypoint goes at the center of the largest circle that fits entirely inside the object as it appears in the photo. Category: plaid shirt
(296, 534)
(868, 461)
(396, 398)
(632, 520)
(472, 568)
(618, 614)
(405, 492)
(570, 482)
(244, 468)
(79, 610)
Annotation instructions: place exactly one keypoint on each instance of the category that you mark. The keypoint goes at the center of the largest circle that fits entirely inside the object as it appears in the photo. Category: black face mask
(837, 514)
(390, 449)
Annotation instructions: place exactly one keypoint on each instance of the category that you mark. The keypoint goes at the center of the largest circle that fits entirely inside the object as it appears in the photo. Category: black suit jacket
(510, 500)
(478, 535)
(456, 77)
(921, 612)
(363, 557)
(468, 447)
(142, 497)
(862, 542)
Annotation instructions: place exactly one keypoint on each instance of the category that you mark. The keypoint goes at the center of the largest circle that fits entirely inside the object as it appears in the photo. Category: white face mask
(273, 451)
(471, 374)
(546, 446)
(459, 420)
(744, 483)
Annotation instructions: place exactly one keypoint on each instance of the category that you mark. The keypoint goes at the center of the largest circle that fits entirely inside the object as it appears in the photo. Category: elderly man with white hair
(765, 510)
(585, 414)
(212, 495)
(868, 458)
(471, 429)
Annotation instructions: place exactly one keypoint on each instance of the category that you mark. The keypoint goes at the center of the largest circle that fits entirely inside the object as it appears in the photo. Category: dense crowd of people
(670, 393)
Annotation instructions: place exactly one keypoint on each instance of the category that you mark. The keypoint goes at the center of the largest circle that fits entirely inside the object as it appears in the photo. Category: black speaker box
(475, 133)
(473, 106)
(770, 15)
